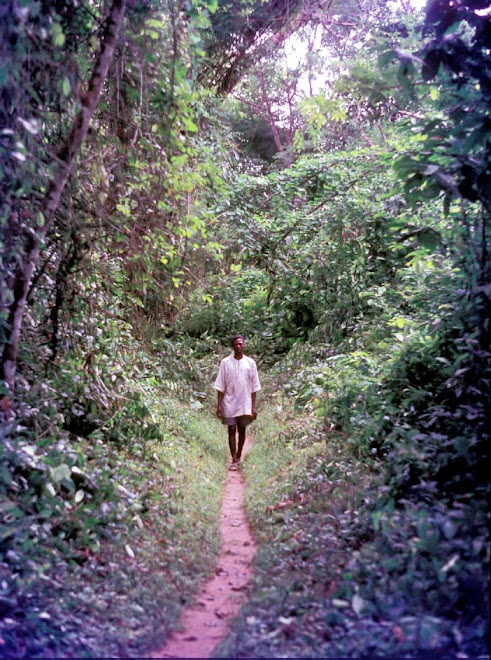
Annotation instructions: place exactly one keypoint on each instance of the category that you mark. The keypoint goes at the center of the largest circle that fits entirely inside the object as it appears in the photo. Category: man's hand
(220, 396)
(254, 412)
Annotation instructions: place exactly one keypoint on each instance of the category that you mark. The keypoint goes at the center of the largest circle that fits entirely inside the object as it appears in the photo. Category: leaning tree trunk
(49, 205)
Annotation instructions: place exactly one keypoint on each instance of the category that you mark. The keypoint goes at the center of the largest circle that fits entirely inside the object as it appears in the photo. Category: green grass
(123, 590)
(296, 508)
(336, 571)
(307, 498)
(332, 578)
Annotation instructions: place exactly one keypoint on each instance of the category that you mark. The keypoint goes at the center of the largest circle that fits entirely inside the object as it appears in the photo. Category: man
(236, 384)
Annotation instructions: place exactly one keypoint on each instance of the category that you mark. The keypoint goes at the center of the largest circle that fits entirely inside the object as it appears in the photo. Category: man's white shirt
(237, 379)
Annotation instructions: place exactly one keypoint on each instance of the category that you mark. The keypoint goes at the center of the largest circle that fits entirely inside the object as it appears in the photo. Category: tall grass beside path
(339, 572)
(120, 592)
(301, 491)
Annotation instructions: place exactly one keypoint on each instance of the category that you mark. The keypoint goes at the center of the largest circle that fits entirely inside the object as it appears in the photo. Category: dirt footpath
(205, 623)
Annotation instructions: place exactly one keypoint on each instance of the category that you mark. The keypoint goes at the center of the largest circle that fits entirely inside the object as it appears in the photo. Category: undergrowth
(369, 501)
(303, 492)
(105, 536)
(367, 494)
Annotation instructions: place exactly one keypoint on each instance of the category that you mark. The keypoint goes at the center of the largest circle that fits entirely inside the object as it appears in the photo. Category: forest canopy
(314, 175)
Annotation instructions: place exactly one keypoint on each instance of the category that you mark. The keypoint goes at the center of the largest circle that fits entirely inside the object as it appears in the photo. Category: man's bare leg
(242, 437)
(231, 443)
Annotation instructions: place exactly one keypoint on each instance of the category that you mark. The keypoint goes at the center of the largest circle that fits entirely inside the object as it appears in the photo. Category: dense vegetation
(316, 176)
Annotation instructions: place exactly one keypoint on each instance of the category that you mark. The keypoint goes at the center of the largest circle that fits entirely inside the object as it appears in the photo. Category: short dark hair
(234, 337)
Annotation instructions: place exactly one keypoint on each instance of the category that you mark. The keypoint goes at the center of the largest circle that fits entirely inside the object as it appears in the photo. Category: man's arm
(220, 396)
(255, 387)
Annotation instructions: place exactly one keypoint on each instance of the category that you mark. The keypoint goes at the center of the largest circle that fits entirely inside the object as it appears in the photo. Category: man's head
(238, 345)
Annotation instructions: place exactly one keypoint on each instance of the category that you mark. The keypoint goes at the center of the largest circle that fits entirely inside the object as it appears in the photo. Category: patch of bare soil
(205, 623)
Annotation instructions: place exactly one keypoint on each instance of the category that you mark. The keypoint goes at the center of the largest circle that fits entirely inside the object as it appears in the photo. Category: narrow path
(205, 623)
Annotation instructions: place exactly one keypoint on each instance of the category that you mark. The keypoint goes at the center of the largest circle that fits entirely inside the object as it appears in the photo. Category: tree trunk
(49, 205)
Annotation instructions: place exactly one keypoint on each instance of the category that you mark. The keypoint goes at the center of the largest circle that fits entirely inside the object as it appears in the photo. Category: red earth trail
(205, 623)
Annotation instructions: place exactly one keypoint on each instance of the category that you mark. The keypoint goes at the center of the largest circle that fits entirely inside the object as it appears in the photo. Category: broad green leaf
(66, 87)
(58, 36)
(61, 472)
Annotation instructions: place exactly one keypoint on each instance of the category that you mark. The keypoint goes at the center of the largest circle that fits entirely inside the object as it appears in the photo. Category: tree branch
(66, 160)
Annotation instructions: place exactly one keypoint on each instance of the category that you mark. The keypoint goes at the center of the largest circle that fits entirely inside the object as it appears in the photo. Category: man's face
(238, 347)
